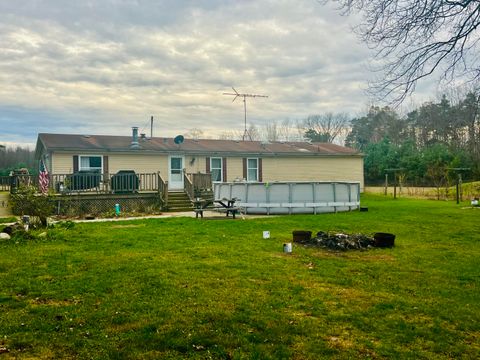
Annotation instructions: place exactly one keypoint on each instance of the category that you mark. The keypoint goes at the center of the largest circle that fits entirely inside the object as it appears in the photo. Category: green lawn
(190, 288)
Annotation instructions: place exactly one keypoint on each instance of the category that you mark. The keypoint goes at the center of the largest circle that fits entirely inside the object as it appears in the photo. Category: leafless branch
(417, 38)
(326, 127)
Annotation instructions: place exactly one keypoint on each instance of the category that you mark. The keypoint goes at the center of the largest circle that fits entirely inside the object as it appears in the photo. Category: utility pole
(237, 94)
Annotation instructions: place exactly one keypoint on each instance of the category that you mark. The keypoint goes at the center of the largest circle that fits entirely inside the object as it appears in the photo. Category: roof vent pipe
(134, 143)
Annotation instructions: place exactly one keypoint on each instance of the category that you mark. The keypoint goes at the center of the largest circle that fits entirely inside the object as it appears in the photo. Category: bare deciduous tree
(253, 133)
(194, 133)
(280, 131)
(285, 130)
(288, 131)
(229, 135)
(415, 38)
(271, 131)
(326, 127)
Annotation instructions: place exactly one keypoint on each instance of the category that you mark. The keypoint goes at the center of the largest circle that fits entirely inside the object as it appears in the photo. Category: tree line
(16, 158)
(427, 143)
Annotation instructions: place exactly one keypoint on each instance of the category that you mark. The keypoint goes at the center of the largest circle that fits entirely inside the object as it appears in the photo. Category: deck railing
(188, 186)
(201, 181)
(122, 182)
(16, 181)
(162, 189)
(5, 183)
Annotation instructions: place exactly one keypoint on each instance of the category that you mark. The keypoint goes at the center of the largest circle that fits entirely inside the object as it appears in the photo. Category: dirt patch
(51, 302)
(303, 314)
(473, 339)
(339, 342)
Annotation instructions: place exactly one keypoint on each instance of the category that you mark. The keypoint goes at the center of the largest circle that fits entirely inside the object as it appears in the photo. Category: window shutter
(75, 163)
(207, 165)
(224, 169)
(260, 170)
(105, 168)
(245, 168)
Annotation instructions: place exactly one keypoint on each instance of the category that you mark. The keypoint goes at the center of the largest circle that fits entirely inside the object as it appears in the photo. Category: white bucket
(266, 234)
(287, 248)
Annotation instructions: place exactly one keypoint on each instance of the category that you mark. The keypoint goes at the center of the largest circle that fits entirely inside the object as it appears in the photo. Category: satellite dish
(178, 139)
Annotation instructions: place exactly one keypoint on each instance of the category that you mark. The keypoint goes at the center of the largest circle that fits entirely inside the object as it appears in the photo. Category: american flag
(43, 179)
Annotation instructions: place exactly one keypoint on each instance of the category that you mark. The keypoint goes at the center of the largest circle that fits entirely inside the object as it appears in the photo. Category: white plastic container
(287, 248)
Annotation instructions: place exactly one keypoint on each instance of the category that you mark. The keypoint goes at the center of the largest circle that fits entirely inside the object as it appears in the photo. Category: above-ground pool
(291, 197)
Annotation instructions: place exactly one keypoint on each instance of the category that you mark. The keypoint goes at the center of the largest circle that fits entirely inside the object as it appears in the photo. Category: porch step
(177, 195)
(178, 201)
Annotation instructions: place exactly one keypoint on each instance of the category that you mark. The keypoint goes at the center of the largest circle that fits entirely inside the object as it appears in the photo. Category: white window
(216, 169)
(91, 163)
(252, 169)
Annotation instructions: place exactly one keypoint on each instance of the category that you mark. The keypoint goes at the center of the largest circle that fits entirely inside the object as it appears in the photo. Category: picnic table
(221, 205)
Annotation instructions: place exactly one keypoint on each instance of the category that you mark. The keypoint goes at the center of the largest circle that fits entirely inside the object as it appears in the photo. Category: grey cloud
(19, 121)
(103, 66)
(105, 14)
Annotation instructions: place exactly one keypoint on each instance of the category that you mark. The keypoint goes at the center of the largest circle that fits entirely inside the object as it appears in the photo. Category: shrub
(26, 201)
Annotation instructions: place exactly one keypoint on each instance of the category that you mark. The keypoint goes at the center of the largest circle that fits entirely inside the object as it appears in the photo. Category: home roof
(70, 142)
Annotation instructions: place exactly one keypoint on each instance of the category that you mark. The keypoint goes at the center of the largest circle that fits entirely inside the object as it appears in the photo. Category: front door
(175, 173)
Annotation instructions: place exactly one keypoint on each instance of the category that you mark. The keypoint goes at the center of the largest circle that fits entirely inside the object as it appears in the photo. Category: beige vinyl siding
(62, 163)
(313, 169)
(195, 164)
(154, 163)
(234, 168)
(140, 163)
(302, 169)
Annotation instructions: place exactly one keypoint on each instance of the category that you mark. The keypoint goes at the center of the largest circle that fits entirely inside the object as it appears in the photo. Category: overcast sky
(103, 66)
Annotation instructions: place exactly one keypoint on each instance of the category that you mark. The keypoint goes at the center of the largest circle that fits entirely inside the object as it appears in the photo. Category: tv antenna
(237, 94)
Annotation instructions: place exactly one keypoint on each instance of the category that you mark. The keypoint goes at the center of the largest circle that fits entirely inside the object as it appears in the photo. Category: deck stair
(178, 201)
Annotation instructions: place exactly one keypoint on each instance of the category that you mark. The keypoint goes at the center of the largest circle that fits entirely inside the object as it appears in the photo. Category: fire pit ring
(301, 235)
(384, 239)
